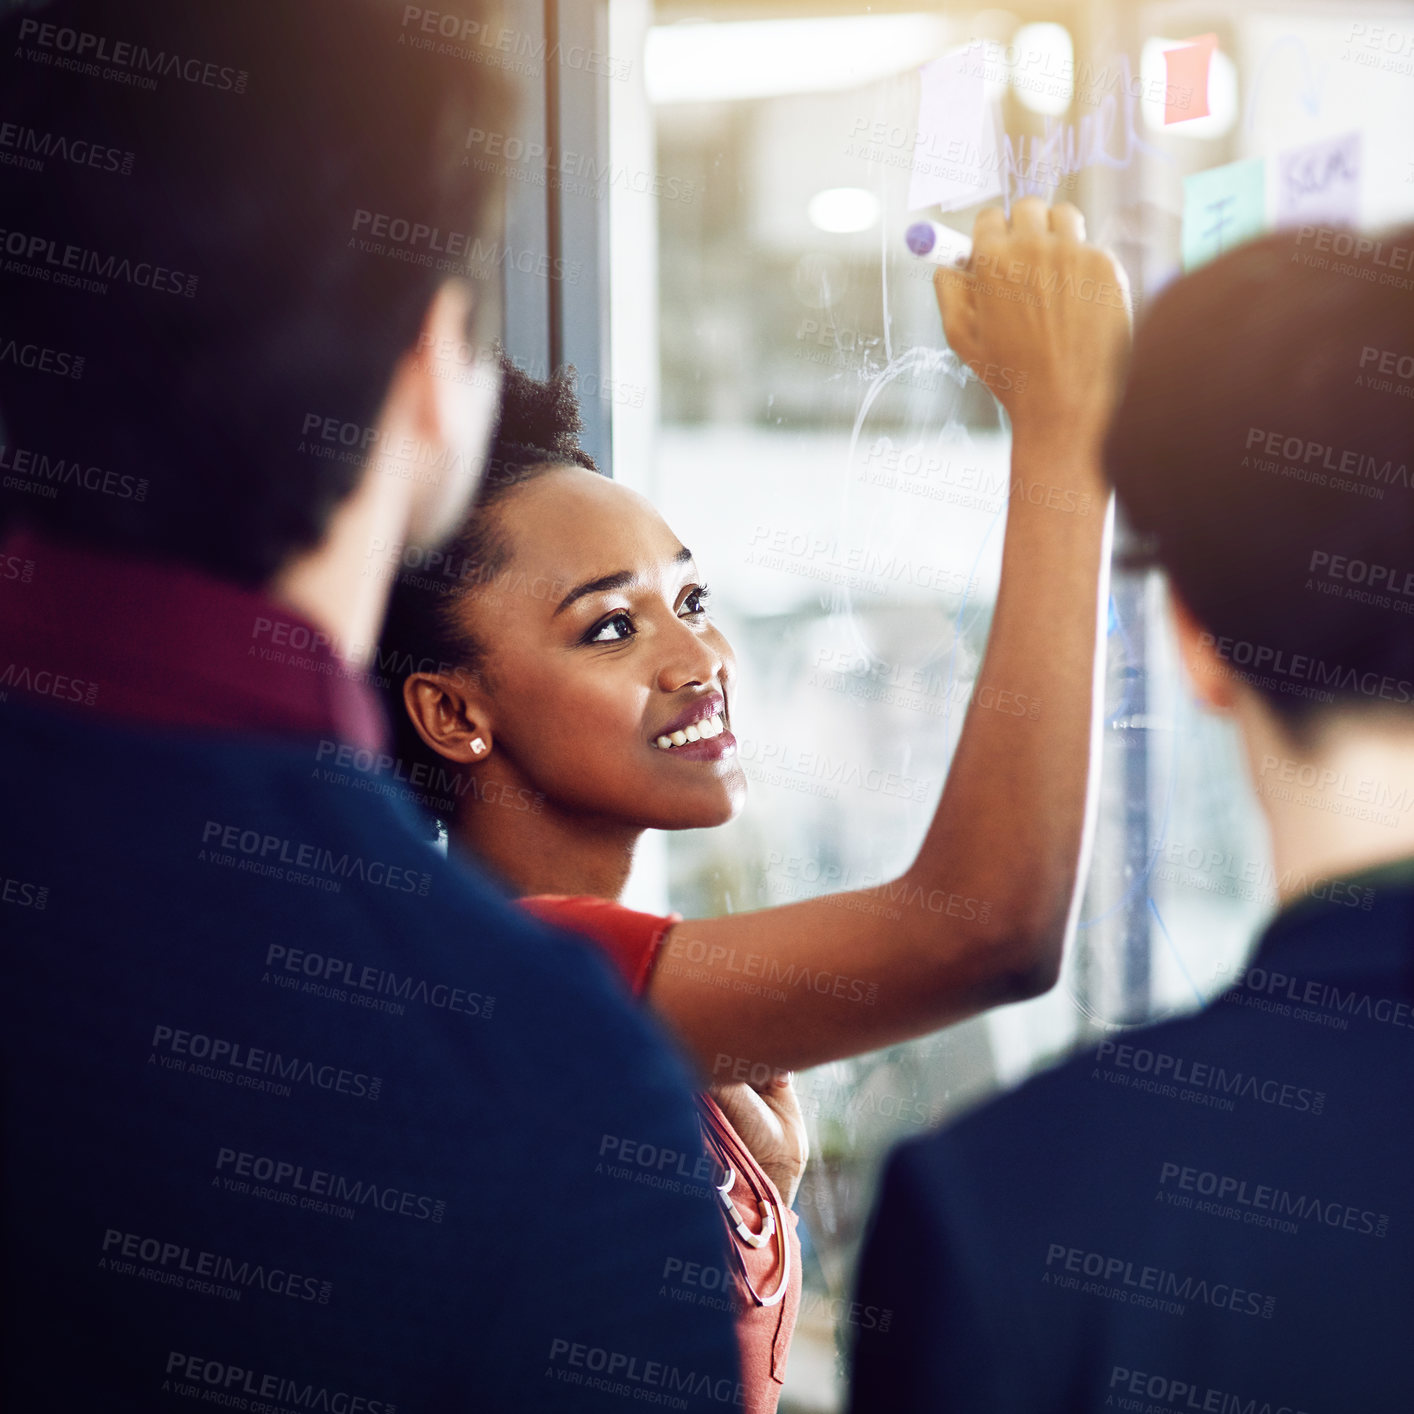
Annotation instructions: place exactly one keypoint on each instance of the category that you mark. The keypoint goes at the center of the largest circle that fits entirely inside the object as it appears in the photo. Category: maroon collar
(167, 645)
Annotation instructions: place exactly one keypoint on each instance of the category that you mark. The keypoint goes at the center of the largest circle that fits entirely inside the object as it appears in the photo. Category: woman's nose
(689, 659)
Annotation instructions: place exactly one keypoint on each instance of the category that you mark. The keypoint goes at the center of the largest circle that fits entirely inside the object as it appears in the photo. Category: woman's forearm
(1011, 823)
(980, 916)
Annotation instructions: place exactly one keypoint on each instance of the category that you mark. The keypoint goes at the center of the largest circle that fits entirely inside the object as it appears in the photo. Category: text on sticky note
(1222, 207)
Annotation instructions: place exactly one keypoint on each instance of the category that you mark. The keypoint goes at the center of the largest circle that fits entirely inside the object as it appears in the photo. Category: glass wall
(781, 389)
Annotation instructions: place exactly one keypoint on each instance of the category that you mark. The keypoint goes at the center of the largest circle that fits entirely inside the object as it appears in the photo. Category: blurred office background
(762, 356)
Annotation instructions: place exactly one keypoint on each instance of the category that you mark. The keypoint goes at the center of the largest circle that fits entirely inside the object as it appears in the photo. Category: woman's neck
(545, 852)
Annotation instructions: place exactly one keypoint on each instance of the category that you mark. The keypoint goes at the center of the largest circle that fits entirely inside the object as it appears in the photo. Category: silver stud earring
(477, 745)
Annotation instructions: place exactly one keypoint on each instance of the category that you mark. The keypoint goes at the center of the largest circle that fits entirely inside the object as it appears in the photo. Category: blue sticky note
(1222, 207)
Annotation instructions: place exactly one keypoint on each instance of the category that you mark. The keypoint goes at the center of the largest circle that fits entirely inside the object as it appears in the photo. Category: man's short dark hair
(235, 216)
(1264, 445)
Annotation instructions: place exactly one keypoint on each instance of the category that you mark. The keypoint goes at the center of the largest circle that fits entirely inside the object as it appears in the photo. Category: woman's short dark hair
(426, 629)
(1263, 446)
(226, 256)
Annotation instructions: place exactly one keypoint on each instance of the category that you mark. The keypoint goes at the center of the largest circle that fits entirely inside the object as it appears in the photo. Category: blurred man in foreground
(285, 1123)
(1218, 1213)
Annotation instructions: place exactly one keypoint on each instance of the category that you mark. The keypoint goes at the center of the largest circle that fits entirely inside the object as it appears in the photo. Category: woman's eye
(696, 601)
(612, 630)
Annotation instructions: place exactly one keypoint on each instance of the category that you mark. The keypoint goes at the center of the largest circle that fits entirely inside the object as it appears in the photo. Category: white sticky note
(952, 164)
(993, 180)
(1319, 183)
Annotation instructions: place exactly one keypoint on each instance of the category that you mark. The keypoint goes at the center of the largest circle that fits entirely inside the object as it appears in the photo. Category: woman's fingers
(1121, 276)
(990, 221)
(1029, 217)
(1067, 221)
(957, 303)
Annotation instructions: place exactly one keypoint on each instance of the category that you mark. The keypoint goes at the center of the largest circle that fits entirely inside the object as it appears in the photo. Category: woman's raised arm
(981, 915)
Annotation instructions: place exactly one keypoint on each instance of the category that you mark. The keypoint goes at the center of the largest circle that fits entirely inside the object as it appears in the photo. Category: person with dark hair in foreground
(286, 1121)
(566, 689)
(1217, 1213)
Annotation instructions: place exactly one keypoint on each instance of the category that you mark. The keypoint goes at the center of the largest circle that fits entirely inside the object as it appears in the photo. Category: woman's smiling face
(598, 648)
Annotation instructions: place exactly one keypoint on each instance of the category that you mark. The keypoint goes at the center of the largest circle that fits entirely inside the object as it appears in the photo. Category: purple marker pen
(940, 244)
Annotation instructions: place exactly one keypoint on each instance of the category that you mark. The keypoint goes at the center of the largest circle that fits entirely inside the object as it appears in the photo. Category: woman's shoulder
(629, 936)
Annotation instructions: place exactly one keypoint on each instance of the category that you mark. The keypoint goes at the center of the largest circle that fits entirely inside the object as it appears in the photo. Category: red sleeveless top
(632, 941)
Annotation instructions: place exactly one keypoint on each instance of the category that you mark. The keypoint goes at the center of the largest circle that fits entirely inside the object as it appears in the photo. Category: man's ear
(450, 714)
(1208, 673)
(443, 403)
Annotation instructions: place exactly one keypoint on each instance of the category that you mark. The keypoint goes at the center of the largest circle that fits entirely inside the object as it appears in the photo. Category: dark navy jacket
(297, 1115)
(1213, 1214)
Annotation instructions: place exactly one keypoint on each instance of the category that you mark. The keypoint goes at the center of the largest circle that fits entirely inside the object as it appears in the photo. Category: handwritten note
(954, 165)
(1037, 166)
(1222, 207)
(1320, 183)
(1186, 72)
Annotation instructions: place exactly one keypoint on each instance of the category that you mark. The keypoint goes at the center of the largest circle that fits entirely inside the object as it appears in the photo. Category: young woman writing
(582, 671)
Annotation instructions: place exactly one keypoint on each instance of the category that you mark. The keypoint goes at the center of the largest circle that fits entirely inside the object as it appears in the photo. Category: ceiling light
(1043, 72)
(843, 209)
(702, 62)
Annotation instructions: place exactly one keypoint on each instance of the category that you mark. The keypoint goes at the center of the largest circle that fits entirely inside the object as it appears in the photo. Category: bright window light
(843, 209)
(1041, 68)
(1222, 92)
(704, 63)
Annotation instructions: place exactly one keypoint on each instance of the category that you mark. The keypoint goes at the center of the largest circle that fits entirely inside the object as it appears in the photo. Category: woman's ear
(1209, 675)
(450, 714)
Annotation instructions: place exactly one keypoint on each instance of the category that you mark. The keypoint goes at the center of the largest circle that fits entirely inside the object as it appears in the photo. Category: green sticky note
(1222, 207)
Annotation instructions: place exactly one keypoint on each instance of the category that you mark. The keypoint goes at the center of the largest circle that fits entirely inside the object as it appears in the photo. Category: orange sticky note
(1186, 89)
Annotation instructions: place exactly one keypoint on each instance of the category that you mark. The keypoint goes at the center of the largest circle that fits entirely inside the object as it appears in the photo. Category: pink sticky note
(1186, 91)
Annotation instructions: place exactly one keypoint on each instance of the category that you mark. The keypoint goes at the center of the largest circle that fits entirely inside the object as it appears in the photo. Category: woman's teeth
(699, 731)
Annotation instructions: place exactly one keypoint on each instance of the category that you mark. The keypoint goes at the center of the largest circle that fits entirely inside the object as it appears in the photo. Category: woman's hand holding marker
(941, 244)
(1041, 318)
